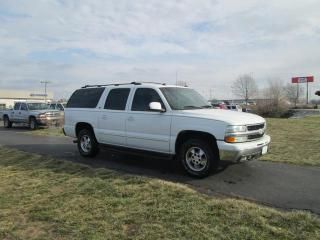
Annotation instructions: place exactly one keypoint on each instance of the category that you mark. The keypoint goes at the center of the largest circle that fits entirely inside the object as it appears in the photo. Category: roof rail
(119, 84)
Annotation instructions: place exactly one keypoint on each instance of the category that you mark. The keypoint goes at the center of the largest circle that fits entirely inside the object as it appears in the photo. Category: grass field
(43, 198)
(50, 131)
(295, 141)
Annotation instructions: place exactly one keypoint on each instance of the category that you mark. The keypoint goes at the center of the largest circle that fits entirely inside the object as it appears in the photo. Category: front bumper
(238, 152)
(49, 121)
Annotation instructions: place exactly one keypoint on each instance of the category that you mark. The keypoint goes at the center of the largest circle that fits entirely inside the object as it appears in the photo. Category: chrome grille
(255, 127)
(255, 136)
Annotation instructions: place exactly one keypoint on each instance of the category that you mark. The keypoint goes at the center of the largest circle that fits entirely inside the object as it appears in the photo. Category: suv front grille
(255, 127)
(255, 136)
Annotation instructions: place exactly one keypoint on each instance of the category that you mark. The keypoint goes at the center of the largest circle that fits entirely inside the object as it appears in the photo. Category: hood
(45, 111)
(230, 117)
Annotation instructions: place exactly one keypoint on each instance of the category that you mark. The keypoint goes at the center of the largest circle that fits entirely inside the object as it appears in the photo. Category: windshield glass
(37, 106)
(184, 98)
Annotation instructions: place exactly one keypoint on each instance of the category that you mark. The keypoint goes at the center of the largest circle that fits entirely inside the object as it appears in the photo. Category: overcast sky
(208, 43)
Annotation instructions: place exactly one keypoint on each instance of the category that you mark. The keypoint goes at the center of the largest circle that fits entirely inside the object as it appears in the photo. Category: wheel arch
(83, 125)
(192, 134)
(32, 116)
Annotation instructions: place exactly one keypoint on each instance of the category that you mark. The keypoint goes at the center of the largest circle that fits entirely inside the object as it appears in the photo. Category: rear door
(112, 119)
(148, 130)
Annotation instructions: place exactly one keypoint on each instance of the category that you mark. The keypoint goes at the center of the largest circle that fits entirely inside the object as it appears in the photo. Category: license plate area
(264, 150)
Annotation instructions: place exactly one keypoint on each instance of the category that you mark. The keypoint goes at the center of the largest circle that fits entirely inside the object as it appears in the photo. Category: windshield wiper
(191, 107)
(206, 106)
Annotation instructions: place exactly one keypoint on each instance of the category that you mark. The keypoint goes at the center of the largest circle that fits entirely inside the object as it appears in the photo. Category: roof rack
(119, 84)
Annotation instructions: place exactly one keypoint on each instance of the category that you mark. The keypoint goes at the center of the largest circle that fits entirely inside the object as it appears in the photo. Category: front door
(148, 130)
(23, 113)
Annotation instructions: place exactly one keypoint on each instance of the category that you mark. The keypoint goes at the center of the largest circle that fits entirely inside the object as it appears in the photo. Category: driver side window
(23, 107)
(143, 97)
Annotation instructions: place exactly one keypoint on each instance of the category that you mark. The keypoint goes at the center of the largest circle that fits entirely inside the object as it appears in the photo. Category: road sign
(302, 79)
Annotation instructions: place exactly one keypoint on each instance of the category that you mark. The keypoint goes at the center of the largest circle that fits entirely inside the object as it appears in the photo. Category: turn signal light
(230, 139)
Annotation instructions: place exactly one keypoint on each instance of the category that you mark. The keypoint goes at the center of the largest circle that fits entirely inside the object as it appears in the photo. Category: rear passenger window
(143, 97)
(117, 99)
(85, 98)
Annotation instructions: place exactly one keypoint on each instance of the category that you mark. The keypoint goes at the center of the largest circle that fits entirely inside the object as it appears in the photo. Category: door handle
(130, 118)
(19, 112)
(104, 117)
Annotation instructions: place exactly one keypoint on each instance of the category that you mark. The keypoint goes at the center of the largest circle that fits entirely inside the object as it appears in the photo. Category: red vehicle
(219, 105)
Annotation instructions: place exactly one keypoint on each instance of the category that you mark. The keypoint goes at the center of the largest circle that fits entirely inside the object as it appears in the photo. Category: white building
(9, 97)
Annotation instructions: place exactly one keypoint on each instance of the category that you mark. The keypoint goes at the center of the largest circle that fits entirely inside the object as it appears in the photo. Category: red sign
(302, 79)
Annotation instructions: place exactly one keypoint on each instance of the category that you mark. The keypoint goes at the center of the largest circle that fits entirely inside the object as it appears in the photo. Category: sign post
(303, 80)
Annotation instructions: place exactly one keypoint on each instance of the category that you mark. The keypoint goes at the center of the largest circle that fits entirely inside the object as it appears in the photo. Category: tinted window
(85, 98)
(23, 107)
(17, 106)
(143, 97)
(60, 107)
(117, 99)
(52, 106)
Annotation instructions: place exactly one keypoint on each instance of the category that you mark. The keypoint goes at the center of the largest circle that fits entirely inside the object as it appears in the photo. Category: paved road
(278, 185)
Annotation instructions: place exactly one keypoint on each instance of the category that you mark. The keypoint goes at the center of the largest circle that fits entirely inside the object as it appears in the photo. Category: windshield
(37, 106)
(184, 98)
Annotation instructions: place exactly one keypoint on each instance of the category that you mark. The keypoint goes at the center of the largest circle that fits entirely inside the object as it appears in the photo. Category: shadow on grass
(62, 160)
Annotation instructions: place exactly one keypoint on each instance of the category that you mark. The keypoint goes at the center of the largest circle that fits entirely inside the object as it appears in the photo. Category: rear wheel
(87, 143)
(6, 122)
(33, 123)
(198, 157)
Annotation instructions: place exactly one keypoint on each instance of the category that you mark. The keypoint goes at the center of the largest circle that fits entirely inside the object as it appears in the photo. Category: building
(9, 97)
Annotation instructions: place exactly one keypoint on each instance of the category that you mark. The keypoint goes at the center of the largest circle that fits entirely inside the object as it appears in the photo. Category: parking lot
(274, 184)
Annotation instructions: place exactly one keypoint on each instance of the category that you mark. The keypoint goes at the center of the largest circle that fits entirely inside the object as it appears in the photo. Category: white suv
(164, 120)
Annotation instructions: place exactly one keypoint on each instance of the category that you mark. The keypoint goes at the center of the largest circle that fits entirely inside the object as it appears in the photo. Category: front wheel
(6, 122)
(198, 157)
(33, 124)
(87, 143)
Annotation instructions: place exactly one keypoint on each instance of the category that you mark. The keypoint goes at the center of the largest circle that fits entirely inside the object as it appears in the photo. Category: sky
(206, 43)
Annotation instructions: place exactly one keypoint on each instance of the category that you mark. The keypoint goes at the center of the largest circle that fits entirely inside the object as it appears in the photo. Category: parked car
(32, 113)
(57, 106)
(234, 107)
(219, 105)
(162, 120)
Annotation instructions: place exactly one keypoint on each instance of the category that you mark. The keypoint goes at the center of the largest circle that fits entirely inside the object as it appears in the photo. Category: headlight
(236, 134)
(41, 115)
(236, 129)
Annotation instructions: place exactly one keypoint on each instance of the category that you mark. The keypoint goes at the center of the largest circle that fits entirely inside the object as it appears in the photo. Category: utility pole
(307, 92)
(45, 90)
(176, 77)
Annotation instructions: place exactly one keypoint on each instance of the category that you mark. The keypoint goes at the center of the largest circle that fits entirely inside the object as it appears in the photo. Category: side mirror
(156, 107)
(317, 93)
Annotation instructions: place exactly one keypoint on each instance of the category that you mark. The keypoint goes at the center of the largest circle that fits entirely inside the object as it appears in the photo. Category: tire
(87, 143)
(6, 122)
(198, 157)
(33, 123)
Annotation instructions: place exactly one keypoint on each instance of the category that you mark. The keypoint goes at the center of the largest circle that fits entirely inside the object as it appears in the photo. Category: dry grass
(43, 198)
(295, 141)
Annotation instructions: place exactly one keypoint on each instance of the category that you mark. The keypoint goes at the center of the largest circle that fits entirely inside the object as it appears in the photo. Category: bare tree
(293, 92)
(275, 92)
(245, 87)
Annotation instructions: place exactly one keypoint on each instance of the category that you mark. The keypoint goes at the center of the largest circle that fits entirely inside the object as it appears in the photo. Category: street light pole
(45, 90)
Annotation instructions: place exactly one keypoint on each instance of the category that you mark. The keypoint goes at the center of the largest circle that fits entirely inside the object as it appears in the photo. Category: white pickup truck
(32, 113)
(163, 120)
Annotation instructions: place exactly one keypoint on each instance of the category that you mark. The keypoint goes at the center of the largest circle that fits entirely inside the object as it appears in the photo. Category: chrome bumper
(238, 152)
